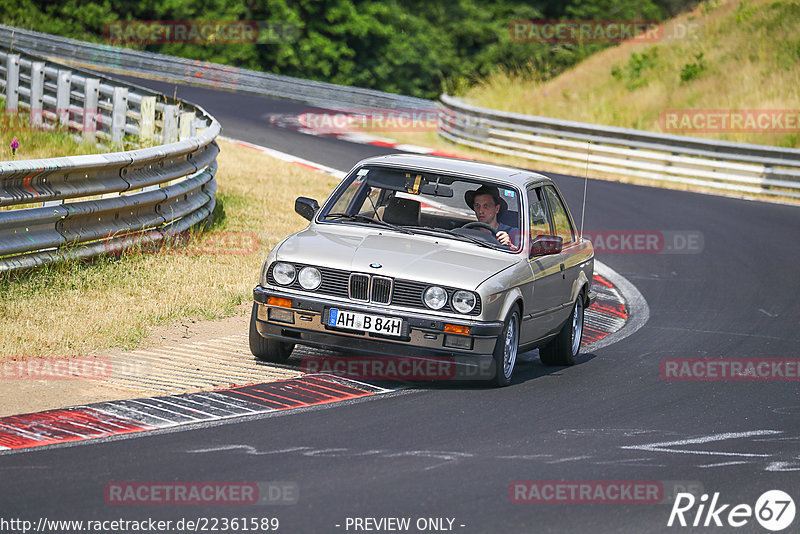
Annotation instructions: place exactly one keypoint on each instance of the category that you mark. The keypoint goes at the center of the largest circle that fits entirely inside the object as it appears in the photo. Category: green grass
(741, 55)
(35, 143)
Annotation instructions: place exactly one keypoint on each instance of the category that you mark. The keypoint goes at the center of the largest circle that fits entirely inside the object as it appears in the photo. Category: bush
(690, 71)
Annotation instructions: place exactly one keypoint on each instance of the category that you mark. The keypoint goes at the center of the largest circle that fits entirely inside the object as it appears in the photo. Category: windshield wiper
(364, 218)
(456, 235)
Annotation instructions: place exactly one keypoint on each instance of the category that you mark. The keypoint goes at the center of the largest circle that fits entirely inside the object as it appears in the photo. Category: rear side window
(560, 219)
(538, 213)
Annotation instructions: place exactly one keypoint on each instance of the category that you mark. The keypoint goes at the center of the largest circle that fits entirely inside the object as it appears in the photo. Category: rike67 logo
(774, 510)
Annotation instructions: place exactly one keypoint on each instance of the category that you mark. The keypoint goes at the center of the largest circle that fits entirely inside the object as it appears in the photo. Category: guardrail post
(63, 97)
(37, 92)
(186, 125)
(198, 126)
(147, 122)
(12, 83)
(91, 94)
(169, 132)
(118, 114)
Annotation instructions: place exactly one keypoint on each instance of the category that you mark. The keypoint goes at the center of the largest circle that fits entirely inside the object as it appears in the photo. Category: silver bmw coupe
(421, 256)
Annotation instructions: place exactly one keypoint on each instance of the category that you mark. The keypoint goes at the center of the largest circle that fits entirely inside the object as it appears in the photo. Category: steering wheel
(477, 224)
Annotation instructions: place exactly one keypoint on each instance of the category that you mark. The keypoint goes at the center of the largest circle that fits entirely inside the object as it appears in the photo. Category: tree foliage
(413, 47)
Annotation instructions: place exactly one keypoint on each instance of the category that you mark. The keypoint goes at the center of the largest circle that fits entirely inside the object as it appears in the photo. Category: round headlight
(464, 301)
(435, 297)
(309, 277)
(283, 273)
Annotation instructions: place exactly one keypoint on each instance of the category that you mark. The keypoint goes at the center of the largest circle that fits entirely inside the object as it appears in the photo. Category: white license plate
(365, 322)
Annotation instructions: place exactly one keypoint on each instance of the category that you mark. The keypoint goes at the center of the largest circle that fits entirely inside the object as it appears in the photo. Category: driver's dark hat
(469, 196)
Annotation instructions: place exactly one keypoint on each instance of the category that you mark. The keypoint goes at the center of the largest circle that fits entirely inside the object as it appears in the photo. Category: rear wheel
(564, 348)
(264, 348)
(505, 351)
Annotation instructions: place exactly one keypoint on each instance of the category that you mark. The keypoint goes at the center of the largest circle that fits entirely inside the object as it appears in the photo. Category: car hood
(436, 260)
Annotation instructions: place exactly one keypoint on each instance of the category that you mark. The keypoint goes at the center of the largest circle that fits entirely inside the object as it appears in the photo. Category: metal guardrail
(83, 206)
(175, 69)
(625, 152)
(717, 165)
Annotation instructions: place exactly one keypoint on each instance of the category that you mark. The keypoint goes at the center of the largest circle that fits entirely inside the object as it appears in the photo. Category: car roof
(463, 167)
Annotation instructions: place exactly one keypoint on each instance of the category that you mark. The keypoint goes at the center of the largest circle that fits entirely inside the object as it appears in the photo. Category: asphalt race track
(454, 452)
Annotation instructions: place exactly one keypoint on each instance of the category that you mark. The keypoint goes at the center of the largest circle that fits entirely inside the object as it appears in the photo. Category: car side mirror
(306, 207)
(544, 245)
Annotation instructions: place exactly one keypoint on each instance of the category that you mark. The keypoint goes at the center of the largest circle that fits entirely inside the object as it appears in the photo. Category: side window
(538, 213)
(559, 216)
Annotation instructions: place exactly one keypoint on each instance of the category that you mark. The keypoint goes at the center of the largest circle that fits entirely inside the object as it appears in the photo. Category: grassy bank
(35, 143)
(735, 55)
(68, 309)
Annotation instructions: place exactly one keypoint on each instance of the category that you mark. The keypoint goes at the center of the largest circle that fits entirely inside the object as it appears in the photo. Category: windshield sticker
(508, 193)
(362, 172)
(413, 187)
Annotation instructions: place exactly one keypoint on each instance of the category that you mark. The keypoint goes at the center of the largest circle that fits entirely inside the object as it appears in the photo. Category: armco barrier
(82, 206)
(175, 69)
(717, 165)
(624, 152)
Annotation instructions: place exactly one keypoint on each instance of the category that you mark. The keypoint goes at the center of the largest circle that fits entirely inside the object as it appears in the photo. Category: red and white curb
(607, 315)
(105, 419)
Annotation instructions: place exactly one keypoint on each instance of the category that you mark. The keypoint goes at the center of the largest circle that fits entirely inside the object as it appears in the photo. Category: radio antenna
(585, 181)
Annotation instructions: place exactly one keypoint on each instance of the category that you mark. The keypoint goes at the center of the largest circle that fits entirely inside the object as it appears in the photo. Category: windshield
(467, 209)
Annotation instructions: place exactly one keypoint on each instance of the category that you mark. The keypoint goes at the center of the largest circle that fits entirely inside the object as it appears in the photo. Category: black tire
(264, 348)
(505, 360)
(563, 349)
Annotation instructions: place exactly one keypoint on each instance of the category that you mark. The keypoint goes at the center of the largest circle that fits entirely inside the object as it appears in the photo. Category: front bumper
(423, 335)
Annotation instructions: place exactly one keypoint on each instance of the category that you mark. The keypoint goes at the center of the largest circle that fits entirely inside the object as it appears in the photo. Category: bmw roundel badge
(375, 265)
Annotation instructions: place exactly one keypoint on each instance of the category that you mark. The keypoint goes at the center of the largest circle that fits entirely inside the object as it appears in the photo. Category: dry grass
(35, 143)
(751, 53)
(73, 309)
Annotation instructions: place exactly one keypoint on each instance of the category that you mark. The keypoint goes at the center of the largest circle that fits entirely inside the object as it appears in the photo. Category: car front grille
(381, 290)
(359, 287)
(362, 287)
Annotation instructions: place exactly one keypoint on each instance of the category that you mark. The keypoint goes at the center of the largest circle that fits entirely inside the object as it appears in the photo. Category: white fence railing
(82, 206)
(624, 152)
(195, 72)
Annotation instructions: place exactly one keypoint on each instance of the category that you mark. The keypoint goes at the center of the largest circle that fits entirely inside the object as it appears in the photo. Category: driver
(487, 204)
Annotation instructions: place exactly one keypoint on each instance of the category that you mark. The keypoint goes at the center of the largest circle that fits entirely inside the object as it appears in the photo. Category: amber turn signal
(277, 301)
(456, 329)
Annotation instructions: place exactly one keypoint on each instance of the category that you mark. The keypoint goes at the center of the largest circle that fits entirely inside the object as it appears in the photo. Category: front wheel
(564, 348)
(267, 349)
(505, 351)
